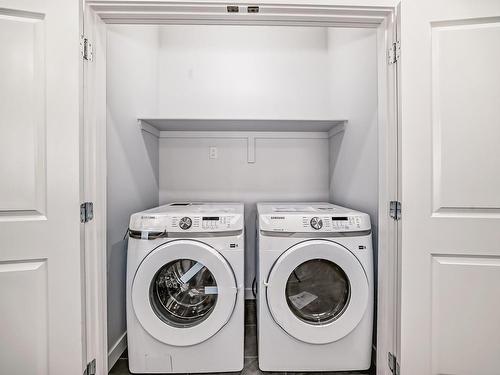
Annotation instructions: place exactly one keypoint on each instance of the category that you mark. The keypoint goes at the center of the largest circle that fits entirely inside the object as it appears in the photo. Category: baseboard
(249, 293)
(116, 350)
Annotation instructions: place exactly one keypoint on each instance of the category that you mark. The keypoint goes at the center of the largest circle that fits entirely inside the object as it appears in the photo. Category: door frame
(380, 15)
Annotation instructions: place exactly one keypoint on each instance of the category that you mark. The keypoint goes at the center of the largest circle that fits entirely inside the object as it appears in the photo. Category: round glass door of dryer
(183, 292)
(318, 291)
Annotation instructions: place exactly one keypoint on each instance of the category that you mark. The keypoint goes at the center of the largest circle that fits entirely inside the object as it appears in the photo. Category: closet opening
(238, 111)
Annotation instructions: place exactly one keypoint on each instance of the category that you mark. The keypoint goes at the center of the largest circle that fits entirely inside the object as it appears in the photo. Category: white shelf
(157, 125)
(248, 129)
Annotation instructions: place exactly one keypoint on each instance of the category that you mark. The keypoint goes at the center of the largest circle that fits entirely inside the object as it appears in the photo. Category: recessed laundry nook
(200, 116)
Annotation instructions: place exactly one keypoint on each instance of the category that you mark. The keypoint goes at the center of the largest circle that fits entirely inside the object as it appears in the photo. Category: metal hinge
(395, 210)
(86, 49)
(393, 363)
(90, 369)
(86, 212)
(394, 53)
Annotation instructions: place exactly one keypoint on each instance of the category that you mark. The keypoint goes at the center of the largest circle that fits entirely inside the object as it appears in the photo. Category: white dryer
(315, 288)
(185, 277)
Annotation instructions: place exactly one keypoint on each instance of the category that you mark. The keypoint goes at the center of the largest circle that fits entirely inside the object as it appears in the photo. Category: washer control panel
(204, 223)
(190, 217)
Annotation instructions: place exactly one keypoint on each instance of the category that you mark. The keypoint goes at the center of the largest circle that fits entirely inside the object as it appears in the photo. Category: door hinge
(393, 363)
(90, 369)
(86, 49)
(86, 212)
(394, 53)
(395, 210)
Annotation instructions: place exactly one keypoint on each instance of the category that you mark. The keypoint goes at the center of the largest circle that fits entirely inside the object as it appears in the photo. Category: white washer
(185, 297)
(315, 287)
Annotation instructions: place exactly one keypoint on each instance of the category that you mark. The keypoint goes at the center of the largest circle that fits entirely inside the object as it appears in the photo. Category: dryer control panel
(316, 219)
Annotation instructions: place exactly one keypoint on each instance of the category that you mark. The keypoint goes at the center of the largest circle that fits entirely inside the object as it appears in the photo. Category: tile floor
(251, 363)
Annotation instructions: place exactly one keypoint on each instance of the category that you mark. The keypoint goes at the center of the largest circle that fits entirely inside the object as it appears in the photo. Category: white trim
(116, 351)
(378, 4)
(94, 160)
(397, 251)
(388, 190)
(205, 12)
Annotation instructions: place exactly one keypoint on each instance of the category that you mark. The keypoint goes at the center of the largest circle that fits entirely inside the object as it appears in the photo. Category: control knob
(316, 223)
(185, 223)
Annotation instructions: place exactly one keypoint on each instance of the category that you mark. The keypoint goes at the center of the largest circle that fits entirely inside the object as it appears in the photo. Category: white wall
(243, 72)
(353, 95)
(132, 155)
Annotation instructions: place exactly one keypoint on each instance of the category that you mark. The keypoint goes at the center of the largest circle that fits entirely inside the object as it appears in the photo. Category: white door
(317, 291)
(184, 292)
(450, 119)
(41, 319)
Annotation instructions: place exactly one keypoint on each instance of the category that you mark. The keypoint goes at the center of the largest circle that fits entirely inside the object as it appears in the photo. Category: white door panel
(465, 311)
(450, 121)
(41, 317)
(466, 114)
(22, 144)
(23, 292)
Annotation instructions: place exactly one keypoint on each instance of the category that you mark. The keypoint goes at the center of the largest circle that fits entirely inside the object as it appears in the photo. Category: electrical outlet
(212, 152)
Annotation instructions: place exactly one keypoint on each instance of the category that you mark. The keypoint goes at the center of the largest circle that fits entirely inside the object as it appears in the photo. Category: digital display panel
(340, 218)
(210, 218)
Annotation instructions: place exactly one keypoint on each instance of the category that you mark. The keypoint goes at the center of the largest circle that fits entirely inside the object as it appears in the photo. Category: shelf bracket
(251, 149)
(148, 128)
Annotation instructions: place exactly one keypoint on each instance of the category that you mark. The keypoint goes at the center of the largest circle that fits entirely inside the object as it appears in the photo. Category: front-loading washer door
(184, 292)
(317, 291)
